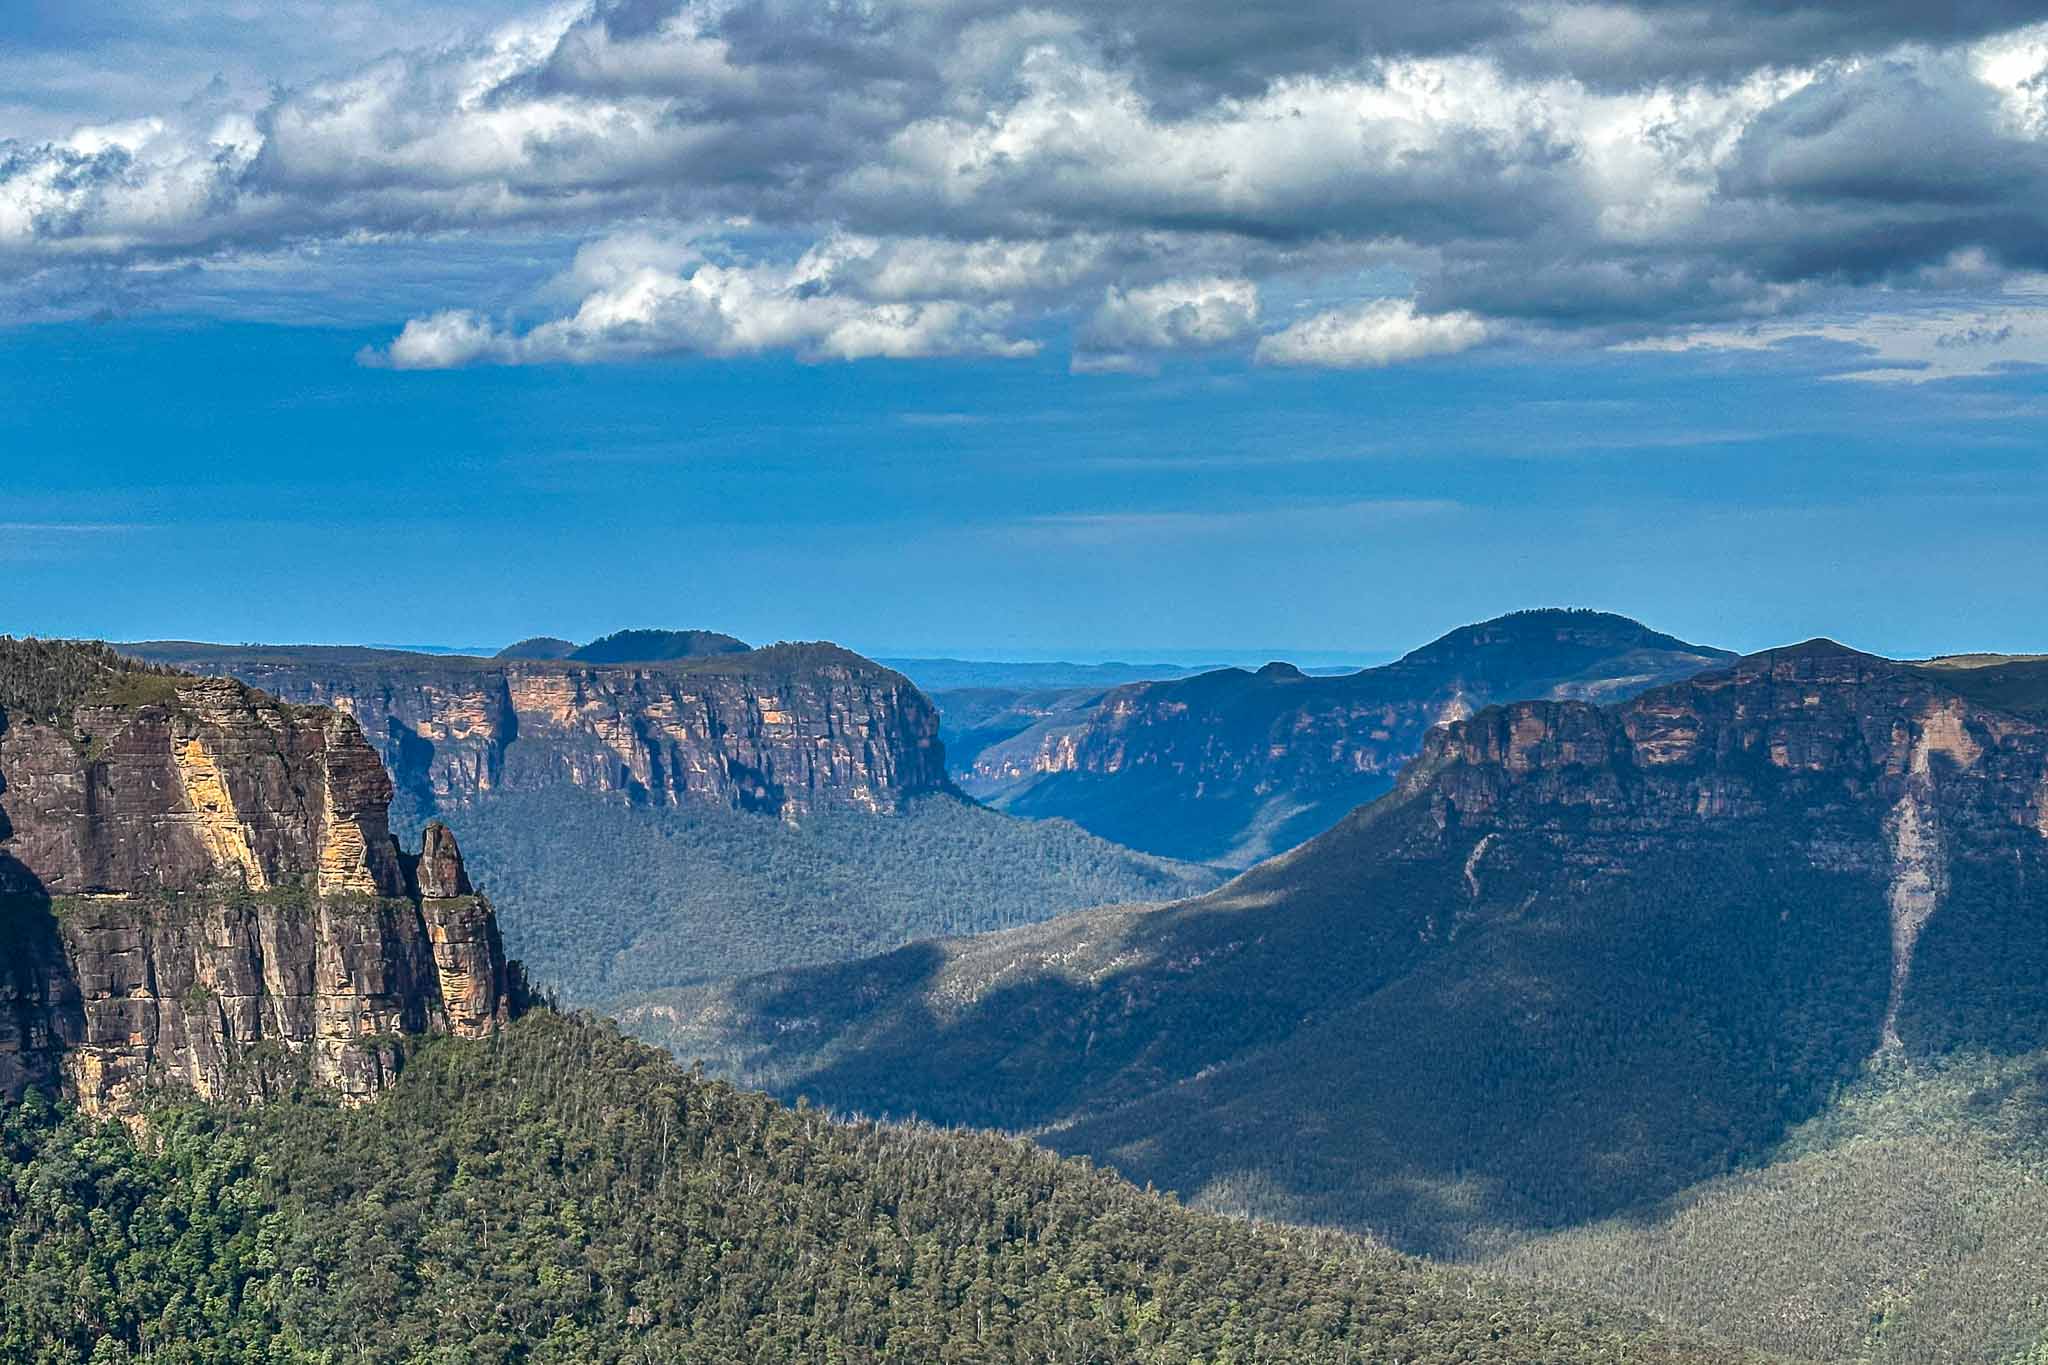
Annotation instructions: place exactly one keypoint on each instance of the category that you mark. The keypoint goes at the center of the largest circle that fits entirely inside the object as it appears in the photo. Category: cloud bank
(1125, 181)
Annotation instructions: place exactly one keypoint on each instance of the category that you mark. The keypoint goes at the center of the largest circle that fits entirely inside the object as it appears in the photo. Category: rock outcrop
(1581, 959)
(1873, 767)
(199, 888)
(1233, 766)
(786, 730)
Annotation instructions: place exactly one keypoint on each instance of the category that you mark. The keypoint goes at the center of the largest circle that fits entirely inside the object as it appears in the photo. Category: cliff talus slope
(1581, 958)
(198, 886)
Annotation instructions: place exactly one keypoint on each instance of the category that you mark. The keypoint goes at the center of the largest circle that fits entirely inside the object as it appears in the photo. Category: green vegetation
(2017, 685)
(1584, 1050)
(1594, 1040)
(627, 646)
(1908, 1222)
(654, 646)
(538, 647)
(1616, 1051)
(1232, 766)
(46, 681)
(602, 899)
(558, 1194)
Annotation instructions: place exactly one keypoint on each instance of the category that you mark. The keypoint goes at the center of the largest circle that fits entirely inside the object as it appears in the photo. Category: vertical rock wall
(200, 889)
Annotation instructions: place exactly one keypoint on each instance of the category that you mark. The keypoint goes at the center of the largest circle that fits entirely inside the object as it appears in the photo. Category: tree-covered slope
(1584, 959)
(1906, 1223)
(603, 899)
(649, 825)
(557, 1194)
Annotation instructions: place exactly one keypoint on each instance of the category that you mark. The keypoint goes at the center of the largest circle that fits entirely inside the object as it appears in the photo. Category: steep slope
(1907, 1223)
(1581, 959)
(649, 825)
(786, 730)
(198, 886)
(605, 901)
(559, 1195)
(1231, 766)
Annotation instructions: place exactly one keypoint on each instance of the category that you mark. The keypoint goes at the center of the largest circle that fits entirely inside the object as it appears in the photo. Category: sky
(1110, 329)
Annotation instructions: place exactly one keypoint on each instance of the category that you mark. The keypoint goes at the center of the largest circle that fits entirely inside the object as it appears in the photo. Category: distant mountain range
(943, 675)
(348, 1133)
(783, 730)
(1723, 996)
(1591, 981)
(1232, 766)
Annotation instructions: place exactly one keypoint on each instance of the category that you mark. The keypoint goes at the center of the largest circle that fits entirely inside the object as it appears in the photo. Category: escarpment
(199, 888)
(1862, 767)
(1581, 959)
(1233, 766)
(787, 730)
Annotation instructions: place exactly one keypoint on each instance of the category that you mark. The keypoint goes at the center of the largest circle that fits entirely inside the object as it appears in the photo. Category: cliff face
(198, 886)
(1233, 766)
(786, 730)
(1872, 757)
(1582, 958)
(1874, 769)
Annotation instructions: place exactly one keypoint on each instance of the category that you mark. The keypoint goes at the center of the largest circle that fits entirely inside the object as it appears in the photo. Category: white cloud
(1112, 362)
(1921, 340)
(646, 296)
(939, 177)
(1174, 314)
(1369, 335)
(443, 341)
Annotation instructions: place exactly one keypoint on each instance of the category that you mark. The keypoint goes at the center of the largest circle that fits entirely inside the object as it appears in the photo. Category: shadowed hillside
(560, 1195)
(1583, 959)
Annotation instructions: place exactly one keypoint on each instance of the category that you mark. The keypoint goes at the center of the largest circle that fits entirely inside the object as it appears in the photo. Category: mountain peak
(656, 646)
(538, 647)
(1820, 646)
(1281, 671)
(1549, 630)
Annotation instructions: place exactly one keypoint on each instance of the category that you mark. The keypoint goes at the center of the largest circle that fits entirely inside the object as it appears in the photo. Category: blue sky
(1083, 330)
(251, 482)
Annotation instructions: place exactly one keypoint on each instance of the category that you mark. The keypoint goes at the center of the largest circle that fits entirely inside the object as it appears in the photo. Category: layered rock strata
(786, 730)
(199, 889)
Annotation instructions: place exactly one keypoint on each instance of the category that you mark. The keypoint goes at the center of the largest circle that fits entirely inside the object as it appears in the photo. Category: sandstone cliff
(198, 886)
(1581, 959)
(1876, 768)
(1232, 766)
(785, 730)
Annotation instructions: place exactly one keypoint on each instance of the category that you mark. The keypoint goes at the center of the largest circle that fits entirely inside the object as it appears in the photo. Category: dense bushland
(559, 1194)
(602, 899)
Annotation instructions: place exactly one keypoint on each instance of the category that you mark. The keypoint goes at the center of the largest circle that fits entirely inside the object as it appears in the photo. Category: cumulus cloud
(1370, 335)
(934, 177)
(1173, 314)
(647, 297)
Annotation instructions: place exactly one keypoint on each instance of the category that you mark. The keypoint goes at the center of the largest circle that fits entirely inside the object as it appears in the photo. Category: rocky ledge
(1875, 768)
(199, 889)
(785, 730)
